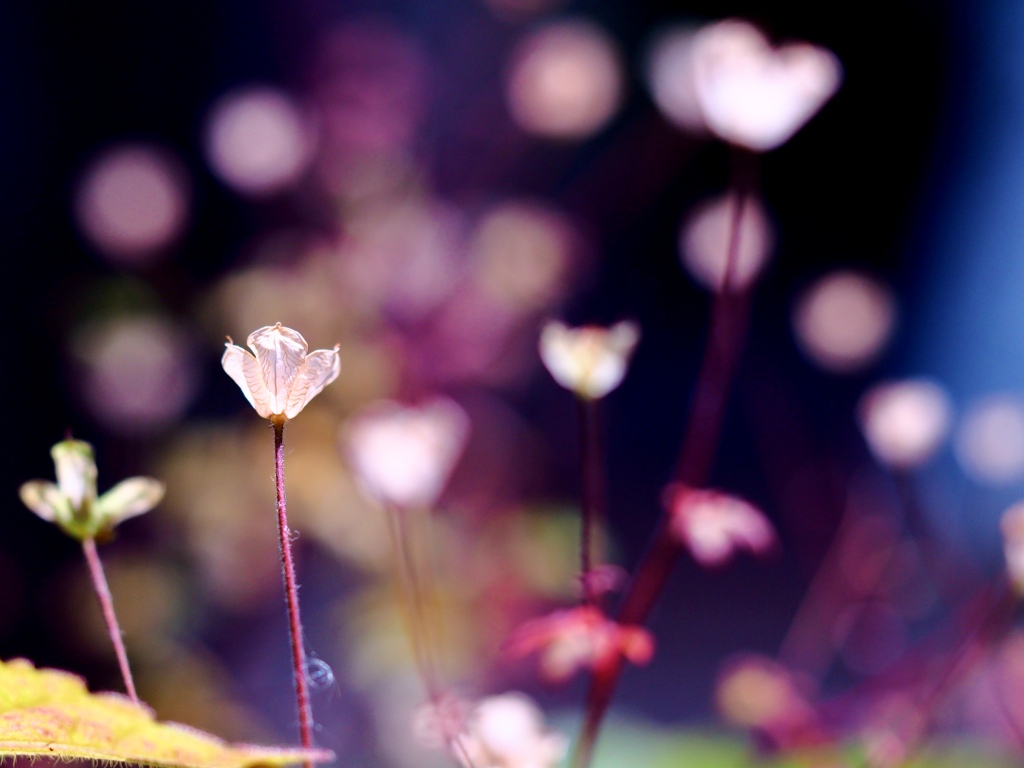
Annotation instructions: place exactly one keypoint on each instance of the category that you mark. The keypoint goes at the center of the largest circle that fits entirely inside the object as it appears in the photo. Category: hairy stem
(707, 412)
(592, 485)
(291, 591)
(99, 582)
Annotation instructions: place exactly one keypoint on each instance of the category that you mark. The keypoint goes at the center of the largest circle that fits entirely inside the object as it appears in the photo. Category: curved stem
(707, 412)
(99, 582)
(291, 591)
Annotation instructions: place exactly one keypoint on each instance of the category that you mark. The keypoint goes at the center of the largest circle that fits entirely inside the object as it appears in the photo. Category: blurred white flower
(508, 731)
(72, 503)
(402, 456)
(504, 731)
(1012, 526)
(589, 361)
(904, 422)
(281, 378)
(753, 95)
(704, 242)
(714, 526)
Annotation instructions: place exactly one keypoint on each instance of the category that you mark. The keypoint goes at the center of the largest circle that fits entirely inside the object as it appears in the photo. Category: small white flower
(402, 456)
(755, 96)
(72, 503)
(590, 361)
(715, 525)
(283, 375)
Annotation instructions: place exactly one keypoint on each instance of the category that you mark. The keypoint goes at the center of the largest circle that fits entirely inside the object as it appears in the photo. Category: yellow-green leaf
(50, 712)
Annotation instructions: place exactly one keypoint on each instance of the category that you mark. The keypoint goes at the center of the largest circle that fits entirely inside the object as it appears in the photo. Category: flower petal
(46, 500)
(319, 370)
(280, 352)
(129, 498)
(242, 367)
(76, 471)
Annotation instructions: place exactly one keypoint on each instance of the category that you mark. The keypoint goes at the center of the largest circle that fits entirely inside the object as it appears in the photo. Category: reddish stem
(99, 582)
(721, 356)
(292, 596)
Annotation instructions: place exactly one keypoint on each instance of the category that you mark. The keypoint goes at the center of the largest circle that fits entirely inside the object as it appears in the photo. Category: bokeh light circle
(257, 140)
(704, 242)
(565, 81)
(844, 320)
(131, 202)
(989, 442)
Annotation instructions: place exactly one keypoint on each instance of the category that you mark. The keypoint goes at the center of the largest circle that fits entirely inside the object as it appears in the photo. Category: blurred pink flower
(754, 96)
(579, 638)
(281, 377)
(714, 525)
(402, 456)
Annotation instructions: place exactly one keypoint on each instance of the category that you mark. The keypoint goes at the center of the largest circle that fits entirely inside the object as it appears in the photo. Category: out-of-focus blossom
(504, 731)
(283, 375)
(579, 638)
(989, 442)
(508, 731)
(589, 361)
(705, 238)
(756, 96)
(714, 526)
(132, 202)
(844, 320)
(904, 422)
(137, 372)
(402, 456)
(669, 71)
(72, 503)
(758, 693)
(565, 80)
(257, 140)
(1012, 526)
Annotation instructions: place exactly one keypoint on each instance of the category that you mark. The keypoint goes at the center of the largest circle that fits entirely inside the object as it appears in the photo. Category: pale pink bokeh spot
(137, 374)
(565, 81)
(904, 422)
(132, 202)
(669, 71)
(1012, 526)
(844, 320)
(704, 242)
(989, 442)
(754, 95)
(402, 456)
(257, 140)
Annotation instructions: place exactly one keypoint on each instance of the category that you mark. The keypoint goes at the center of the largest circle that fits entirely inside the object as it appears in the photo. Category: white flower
(72, 503)
(715, 525)
(402, 456)
(508, 731)
(590, 361)
(754, 96)
(281, 378)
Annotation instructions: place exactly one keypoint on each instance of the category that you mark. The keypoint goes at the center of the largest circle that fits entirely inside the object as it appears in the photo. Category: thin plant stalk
(99, 582)
(592, 490)
(727, 329)
(291, 591)
(415, 613)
